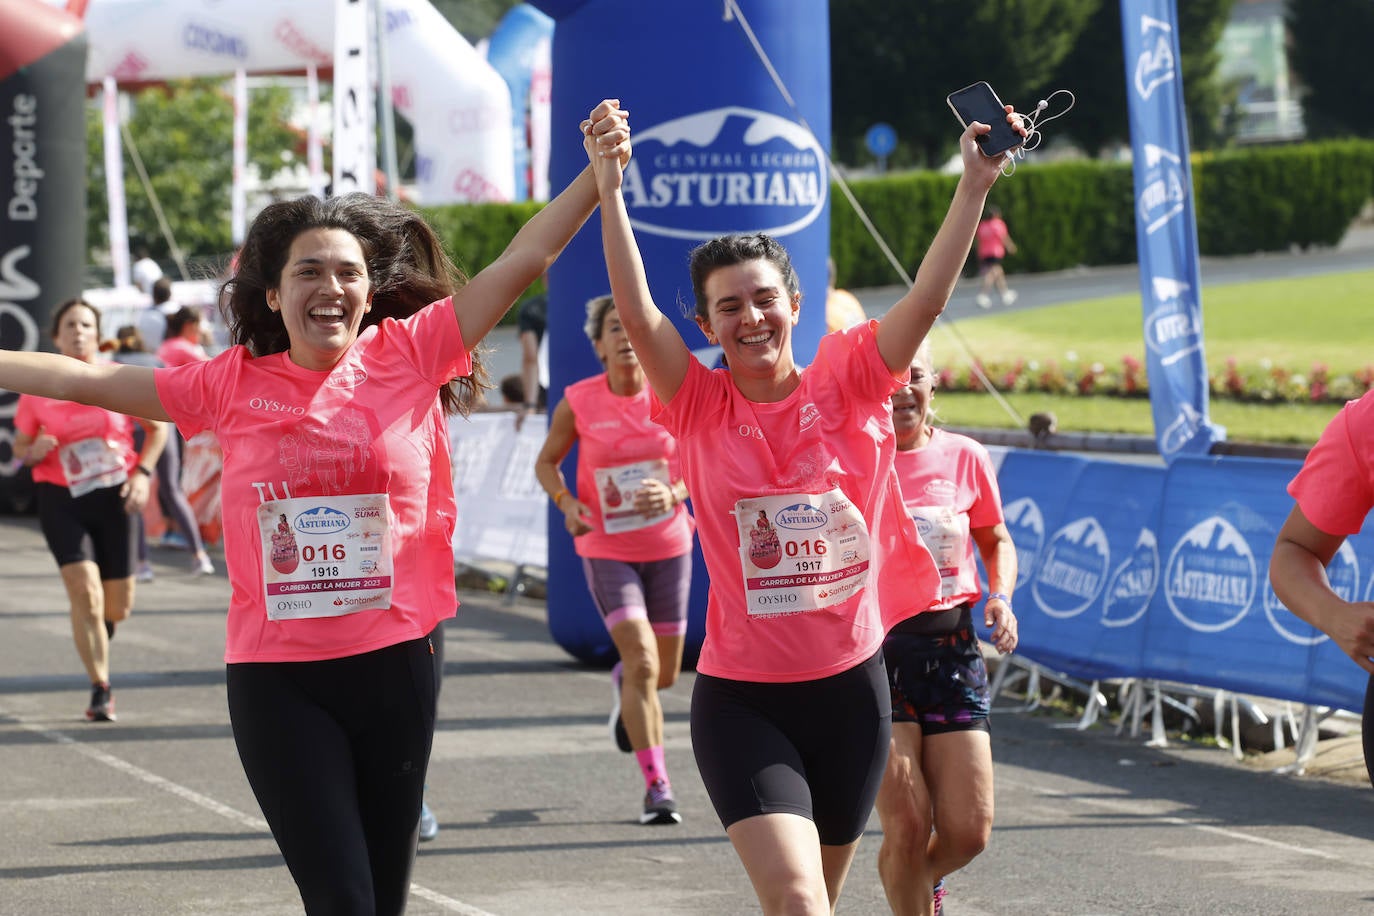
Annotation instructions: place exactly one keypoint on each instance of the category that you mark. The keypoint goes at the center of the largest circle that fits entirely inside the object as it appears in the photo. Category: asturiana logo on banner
(1211, 577)
(723, 171)
(1163, 190)
(1155, 65)
(1133, 583)
(321, 520)
(1173, 328)
(1074, 569)
(1027, 527)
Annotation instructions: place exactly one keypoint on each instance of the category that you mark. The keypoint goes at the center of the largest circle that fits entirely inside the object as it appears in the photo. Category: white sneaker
(145, 572)
(984, 300)
(202, 566)
(1009, 297)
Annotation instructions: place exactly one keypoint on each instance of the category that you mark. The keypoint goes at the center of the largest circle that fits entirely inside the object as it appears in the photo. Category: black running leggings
(335, 752)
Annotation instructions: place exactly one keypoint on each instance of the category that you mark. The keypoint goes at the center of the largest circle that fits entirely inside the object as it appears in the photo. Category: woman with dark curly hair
(349, 324)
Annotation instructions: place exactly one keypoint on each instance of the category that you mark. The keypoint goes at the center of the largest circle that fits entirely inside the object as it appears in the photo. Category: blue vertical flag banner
(1166, 230)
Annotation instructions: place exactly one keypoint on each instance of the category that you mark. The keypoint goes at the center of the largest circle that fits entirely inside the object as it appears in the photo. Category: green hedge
(1061, 214)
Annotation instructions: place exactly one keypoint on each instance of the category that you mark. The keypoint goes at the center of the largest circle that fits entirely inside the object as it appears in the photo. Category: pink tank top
(618, 446)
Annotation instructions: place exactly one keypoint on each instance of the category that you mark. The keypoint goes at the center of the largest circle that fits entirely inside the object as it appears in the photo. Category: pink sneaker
(939, 896)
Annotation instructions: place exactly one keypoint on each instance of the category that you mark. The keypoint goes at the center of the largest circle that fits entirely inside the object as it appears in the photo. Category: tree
(1326, 52)
(896, 62)
(474, 19)
(184, 134)
(1095, 71)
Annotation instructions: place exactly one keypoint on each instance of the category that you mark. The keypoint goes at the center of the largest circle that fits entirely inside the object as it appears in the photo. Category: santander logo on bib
(724, 171)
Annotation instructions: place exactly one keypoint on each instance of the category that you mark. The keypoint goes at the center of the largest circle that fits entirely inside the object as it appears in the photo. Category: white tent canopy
(458, 105)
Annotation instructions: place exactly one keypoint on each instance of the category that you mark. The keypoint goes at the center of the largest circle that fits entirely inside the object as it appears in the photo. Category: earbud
(1041, 105)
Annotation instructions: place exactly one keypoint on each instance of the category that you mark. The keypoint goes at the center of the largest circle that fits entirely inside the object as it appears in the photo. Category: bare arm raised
(906, 324)
(480, 304)
(662, 351)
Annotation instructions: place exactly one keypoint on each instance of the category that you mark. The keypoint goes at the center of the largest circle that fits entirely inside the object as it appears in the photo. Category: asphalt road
(152, 815)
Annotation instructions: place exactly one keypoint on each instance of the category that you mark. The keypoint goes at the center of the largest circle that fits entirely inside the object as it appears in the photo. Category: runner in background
(791, 710)
(936, 801)
(634, 535)
(993, 244)
(91, 486)
(331, 411)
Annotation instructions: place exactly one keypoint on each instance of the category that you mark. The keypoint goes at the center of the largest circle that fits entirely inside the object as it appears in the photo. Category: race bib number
(325, 556)
(616, 489)
(92, 464)
(944, 531)
(801, 551)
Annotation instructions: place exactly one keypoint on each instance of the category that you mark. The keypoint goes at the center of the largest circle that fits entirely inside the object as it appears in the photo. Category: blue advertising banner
(717, 150)
(1129, 570)
(513, 51)
(1166, 230)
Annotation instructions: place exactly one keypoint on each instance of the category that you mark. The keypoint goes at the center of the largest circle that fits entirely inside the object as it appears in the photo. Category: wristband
(1000, 597)
(142, 469)
(558, 498)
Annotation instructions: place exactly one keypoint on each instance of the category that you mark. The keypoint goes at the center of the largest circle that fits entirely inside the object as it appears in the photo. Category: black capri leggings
(1367, 729)
(336, 752)
(812, 748)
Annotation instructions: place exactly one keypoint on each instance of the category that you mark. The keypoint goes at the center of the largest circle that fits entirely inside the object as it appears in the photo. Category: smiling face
(322, 296)
(750, 315)
(911, 407)
(78, 334)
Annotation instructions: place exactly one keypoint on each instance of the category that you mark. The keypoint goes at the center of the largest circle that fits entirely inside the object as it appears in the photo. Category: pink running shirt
(991, 238)
(69, 423)
(950, 488)
(370, 425)
(615, 436)
(833, 433)
(1335, 487)
(178, 351)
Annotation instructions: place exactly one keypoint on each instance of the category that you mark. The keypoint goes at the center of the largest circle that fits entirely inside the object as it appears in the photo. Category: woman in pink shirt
(91, 486)
(1333, 493)
(936, 800)
(181, 344)
(791, 713)
(634, 536)
(353, 333)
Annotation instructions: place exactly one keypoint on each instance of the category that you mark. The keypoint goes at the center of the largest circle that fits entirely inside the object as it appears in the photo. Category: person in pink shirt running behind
(936, 801)
(993, 243)
(181, 344)
(353, 332)
(91, 488)
(791, 712)
(634, 536)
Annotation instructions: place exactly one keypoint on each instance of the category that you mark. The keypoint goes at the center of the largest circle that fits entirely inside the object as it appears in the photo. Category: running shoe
(616, 723)
(175, 540)
(109, 629)
(102, 704)
(659, 805)
(429, 824)
(1009, 297)
(939, 896)
(983, 300)
(145, 572)
(202, 566)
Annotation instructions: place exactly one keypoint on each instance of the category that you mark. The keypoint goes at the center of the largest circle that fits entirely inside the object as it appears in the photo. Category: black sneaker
(109, 629)
(659, 805)
(102, 704)
(616, 723)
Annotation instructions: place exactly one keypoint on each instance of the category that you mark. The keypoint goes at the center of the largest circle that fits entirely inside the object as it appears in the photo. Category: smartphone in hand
(979, 103)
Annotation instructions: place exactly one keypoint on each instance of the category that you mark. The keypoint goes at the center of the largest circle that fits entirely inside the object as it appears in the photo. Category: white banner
(502, 510)
(238, 198)
(355, 156)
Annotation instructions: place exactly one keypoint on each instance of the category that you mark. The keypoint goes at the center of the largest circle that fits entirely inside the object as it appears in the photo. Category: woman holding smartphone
(802, 527)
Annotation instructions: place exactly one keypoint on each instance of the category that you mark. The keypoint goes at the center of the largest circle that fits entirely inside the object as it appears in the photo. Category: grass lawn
(1291, 324)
